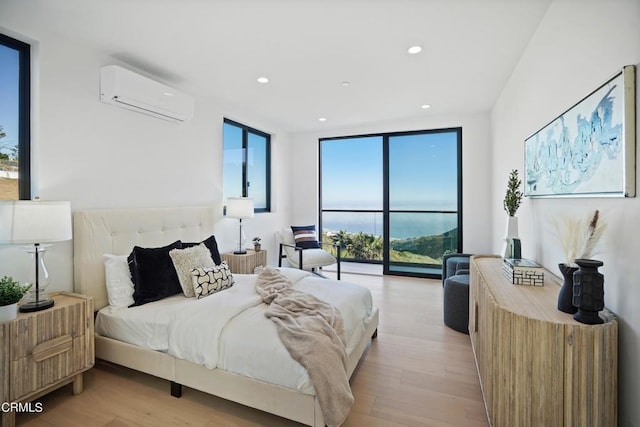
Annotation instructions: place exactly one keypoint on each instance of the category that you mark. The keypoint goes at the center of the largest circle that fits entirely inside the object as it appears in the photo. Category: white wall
(577, 47)
(476, 162)
(100, 156)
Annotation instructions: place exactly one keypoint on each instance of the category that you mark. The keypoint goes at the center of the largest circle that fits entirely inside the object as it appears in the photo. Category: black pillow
(305, 236)
(153, 275)
(212, 245)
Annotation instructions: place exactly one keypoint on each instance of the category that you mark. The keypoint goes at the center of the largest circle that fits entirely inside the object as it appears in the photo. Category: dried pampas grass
(579, 237)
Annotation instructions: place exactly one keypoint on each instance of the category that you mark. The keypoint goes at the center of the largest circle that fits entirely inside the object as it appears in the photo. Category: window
(15, 182)
(394, 198)
(247, 164)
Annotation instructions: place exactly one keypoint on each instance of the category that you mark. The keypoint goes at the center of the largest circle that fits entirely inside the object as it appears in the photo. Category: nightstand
(245, 263)
(45, 350)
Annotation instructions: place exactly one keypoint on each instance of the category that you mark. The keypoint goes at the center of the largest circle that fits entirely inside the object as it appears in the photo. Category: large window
(247, 153)
(394, 198)
(15, 162)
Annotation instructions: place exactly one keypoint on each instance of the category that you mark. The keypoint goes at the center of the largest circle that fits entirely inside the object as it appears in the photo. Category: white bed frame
(116, 231)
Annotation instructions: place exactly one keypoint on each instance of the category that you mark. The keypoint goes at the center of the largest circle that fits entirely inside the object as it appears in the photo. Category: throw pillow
(207, 281)
(185, 260)
(305, 236)
(153, 274)
(118, 281)
(210, 243)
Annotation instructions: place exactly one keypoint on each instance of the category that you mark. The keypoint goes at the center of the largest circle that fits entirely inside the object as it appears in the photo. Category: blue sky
(9, 95)
(423, 172)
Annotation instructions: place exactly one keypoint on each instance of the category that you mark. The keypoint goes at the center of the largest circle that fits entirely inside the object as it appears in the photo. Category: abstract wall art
(589, 150)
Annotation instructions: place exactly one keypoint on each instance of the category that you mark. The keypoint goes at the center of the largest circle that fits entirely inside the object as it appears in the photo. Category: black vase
(588, 291)
(565, 297)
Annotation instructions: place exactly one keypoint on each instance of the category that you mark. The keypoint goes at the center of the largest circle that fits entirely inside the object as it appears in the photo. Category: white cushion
(185, 260)
(311, 258)
(118, 281)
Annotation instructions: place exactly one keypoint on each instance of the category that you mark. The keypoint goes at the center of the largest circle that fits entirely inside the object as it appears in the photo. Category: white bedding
(228, 330)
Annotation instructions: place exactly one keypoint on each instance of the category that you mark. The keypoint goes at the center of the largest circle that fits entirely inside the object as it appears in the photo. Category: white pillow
(207, 281)
(185, 260)
(118, 279)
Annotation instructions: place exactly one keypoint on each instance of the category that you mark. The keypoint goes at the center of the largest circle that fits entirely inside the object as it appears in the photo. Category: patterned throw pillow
(209, 280)
(305, 236)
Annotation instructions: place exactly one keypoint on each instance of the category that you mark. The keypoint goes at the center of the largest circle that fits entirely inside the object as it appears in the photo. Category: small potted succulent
(10, 293)
(256, 244)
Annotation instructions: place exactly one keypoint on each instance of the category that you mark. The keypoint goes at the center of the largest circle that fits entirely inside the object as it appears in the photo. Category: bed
(289, 394)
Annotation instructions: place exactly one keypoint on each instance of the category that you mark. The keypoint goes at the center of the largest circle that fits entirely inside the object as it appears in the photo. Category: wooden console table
(537, 365)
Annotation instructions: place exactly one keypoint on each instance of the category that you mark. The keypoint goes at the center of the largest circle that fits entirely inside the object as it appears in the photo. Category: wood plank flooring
(417, 372)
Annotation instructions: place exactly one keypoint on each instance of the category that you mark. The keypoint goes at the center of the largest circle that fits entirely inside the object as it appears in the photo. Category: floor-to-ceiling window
(15, 125)
(394, 198)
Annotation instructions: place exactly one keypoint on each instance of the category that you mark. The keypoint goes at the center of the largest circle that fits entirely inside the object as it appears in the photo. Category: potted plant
(511, 203)
(256, 244)
(10, 293)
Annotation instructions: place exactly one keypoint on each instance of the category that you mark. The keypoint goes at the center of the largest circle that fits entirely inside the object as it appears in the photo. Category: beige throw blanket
(313, 333)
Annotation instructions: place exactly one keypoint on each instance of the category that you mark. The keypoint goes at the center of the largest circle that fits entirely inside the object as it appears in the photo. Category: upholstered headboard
(116, 231)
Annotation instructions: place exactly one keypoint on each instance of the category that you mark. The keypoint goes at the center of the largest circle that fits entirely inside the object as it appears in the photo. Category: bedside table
(245, 263)
(45, 350)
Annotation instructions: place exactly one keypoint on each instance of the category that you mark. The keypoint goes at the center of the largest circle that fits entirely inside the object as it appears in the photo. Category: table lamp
(35, 222)
(241, 208)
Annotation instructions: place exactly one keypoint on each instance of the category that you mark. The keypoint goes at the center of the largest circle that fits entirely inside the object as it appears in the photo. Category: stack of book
(522, 271)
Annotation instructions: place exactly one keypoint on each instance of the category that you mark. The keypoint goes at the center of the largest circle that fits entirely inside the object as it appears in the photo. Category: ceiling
(218, 48)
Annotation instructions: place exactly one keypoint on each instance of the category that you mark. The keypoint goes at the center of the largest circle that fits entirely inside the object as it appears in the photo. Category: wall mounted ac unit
(126, 89)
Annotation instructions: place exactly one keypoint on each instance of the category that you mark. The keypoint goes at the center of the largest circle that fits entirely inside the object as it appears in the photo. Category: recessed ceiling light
(322, 119)
(425, 106)
(345, 84)
(414, 49)
(263, 80)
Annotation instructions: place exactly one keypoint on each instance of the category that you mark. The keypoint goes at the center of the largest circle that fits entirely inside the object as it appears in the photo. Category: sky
(422, 169)
(9, 95)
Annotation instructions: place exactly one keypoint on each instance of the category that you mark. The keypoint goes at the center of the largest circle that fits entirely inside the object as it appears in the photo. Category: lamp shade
(27, 221)
(240, 207)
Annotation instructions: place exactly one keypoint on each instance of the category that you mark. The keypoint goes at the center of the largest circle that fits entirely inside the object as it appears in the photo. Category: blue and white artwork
(582, 152)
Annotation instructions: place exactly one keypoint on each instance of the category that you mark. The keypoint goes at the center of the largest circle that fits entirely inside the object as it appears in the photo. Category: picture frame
(589, 150)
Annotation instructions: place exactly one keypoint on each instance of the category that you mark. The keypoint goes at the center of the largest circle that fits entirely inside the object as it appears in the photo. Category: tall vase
(511, 234)
(588, 291)
(565, 297)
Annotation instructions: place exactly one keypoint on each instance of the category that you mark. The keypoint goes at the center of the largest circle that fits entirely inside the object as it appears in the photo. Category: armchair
(311, 259)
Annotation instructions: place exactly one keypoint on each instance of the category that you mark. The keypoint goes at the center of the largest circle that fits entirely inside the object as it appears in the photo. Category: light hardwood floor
(417, 372)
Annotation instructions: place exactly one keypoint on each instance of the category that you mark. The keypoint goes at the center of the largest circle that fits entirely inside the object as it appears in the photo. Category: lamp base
(239, 252)
(31, 306)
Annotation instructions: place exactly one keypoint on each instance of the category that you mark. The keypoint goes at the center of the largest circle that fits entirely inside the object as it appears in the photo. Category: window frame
(24, 113)
(246, 130)
(386, 209)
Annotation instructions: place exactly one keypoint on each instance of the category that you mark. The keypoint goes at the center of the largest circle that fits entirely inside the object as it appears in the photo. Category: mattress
(229, 330)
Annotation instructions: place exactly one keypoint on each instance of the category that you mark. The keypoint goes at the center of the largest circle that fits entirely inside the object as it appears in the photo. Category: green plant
(513, 197)
(256, 240)
(11, 291)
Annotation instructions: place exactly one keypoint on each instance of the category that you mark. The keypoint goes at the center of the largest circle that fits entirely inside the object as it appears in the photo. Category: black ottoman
(456, 302)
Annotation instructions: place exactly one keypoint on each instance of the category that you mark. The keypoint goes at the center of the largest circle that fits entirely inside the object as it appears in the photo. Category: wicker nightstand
(245, 263)
(46, 350)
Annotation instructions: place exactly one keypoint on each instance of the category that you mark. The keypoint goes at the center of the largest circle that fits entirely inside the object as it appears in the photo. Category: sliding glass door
(393, 198)
(422, 196)
(351, 196)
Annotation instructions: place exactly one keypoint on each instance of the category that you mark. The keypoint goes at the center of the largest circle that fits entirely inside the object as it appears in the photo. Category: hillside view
(369, 247)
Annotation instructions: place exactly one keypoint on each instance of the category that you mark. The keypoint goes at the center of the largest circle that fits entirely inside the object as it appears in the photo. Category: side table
(248, 263)
(45, 350)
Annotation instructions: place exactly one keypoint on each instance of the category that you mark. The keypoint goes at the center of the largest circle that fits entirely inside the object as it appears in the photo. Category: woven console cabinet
(537, 365)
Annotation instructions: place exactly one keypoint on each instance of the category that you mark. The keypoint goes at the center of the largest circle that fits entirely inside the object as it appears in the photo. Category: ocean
(403, 225)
